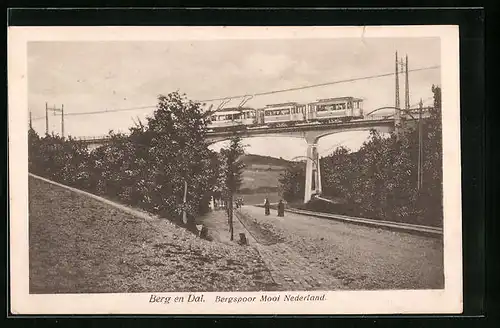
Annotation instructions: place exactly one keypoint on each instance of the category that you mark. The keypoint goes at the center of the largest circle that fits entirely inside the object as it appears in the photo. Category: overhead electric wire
(321, 84)
(227, 99)
(336, 145)
(101, 111)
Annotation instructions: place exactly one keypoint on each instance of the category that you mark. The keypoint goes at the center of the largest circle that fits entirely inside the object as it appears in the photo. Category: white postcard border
(448, 300)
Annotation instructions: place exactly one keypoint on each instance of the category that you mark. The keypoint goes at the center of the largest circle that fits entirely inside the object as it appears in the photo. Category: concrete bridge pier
(313, 172)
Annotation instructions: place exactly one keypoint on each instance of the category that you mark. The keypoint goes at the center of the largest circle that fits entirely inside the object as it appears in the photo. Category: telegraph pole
(397, 114)
(407, 87)
(420, 147)
(31, 122)
(46, 119)
(62, 121)
(184, 202)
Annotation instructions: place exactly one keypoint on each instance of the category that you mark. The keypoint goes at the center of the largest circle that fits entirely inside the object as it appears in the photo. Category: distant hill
(251, 159)
(261, 177)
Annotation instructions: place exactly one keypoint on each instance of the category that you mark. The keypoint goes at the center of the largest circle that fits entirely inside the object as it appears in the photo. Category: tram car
(227, 118)
(330, 110)
(341, 109)
(284, 114)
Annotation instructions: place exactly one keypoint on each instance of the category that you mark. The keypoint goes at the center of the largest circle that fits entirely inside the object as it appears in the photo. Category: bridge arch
(314, 138)
(212, 141)
(405, 111)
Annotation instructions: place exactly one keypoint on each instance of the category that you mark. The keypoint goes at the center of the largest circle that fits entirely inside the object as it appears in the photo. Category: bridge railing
(91, 138)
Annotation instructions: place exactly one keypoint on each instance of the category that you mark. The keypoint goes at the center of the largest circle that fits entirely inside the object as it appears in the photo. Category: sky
(94, 76)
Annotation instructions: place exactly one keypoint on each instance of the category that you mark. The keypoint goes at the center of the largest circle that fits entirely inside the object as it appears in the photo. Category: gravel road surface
(317, 253)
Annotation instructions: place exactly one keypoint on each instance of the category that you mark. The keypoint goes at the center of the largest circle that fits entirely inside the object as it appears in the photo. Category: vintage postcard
(234, 170)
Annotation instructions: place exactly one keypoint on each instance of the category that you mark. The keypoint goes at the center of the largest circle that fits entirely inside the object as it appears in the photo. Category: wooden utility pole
(184, 214)
(420, 147)
(46, 118)
(397, 113)
(230, 216)
(407, 87)
(62, 121)
(31, 122)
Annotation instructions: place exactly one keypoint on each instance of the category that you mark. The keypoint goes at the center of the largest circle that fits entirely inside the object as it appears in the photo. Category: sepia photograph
(235, 170)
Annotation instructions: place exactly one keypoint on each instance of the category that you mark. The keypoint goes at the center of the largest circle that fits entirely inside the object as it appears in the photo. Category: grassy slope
(80, 245)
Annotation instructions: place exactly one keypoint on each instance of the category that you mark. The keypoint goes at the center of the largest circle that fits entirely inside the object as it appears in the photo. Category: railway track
(370, 222)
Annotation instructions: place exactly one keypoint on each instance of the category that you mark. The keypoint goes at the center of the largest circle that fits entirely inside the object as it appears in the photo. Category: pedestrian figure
(281, 208)
(267, 206)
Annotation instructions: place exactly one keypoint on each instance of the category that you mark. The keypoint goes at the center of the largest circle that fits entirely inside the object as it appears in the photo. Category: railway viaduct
(311, 133)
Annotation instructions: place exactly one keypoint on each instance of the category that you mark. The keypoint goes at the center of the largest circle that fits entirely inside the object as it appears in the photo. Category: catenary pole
(420, 146)
(46, 118)
(62, 121)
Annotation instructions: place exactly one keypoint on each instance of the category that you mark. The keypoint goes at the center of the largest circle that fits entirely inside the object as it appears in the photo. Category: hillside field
(261, 178)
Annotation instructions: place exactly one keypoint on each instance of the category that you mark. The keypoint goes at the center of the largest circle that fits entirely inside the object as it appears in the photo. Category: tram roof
(281, 104)
(337, 99)
(227, 112)
(233, 110)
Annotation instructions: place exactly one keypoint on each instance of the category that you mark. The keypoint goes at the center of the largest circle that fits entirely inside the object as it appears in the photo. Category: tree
(34, 157)
(231, 175)
(292, 182)
(178, 155)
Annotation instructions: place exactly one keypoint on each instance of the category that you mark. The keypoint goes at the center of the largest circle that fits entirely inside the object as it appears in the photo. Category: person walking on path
(281, 208)
(267, 206)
